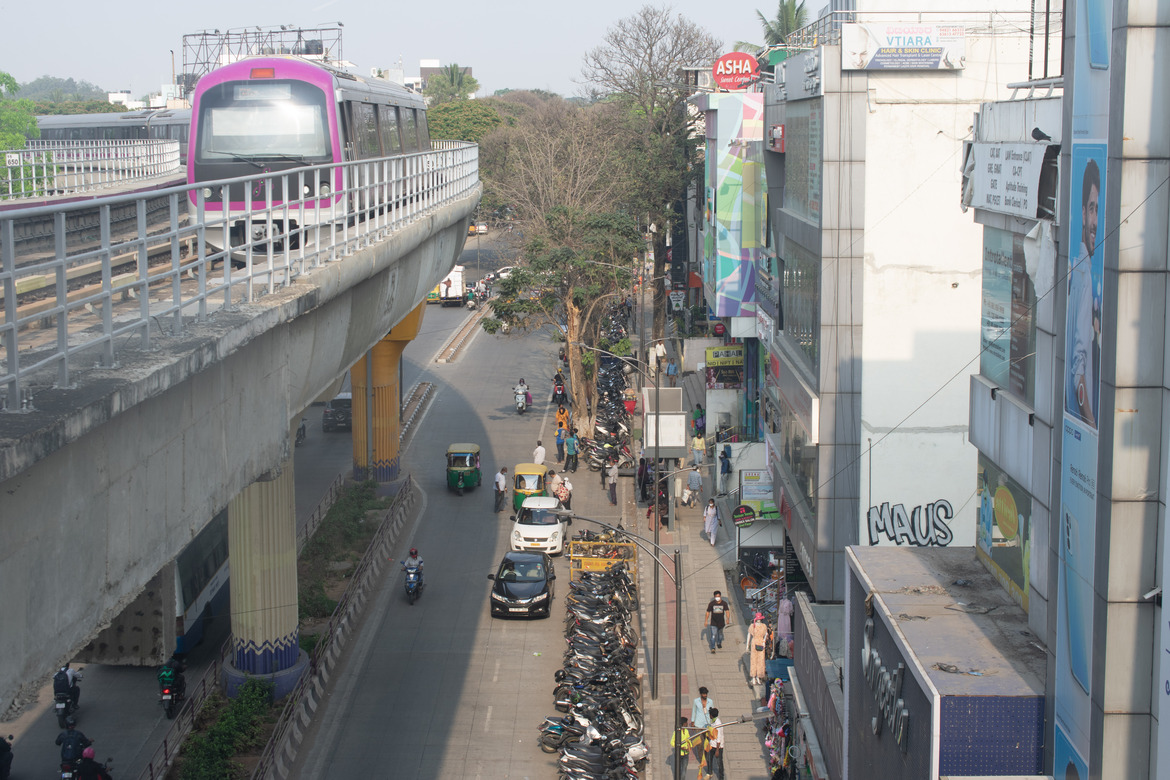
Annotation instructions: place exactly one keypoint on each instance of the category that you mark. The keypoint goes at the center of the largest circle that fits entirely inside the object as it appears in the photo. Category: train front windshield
(269, 120)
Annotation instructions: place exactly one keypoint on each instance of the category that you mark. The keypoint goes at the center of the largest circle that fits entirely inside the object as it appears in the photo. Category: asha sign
(735, 70)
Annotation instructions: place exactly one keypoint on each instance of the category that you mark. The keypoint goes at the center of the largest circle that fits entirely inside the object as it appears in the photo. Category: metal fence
(45, 168)
(116, 285)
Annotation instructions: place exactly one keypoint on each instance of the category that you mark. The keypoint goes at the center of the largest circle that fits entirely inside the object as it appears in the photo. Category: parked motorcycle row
(611, 433)
(601, 736)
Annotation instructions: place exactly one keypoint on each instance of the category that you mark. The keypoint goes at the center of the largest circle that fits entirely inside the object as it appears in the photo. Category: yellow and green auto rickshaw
(463, 467)
(528, 480)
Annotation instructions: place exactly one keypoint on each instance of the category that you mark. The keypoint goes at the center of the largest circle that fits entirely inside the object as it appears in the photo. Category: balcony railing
(113, 285)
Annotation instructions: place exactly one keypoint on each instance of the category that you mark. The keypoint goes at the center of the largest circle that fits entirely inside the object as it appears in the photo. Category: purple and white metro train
(272, 114)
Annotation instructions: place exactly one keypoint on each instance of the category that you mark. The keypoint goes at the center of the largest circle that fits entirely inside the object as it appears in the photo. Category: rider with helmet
(414, 561)
(89, 769)
(72, 741)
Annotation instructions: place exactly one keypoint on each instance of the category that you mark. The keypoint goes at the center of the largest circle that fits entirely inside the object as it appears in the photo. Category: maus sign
(735, 70)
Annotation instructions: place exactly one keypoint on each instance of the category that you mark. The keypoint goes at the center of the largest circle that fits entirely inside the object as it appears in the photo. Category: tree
(463, 120)
(451, 83)
(79, 107)
(18, 123)
(639, 66)
(56, 90)
(790, 17)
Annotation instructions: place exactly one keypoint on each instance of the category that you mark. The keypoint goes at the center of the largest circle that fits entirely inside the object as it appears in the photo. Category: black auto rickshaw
(463, 467)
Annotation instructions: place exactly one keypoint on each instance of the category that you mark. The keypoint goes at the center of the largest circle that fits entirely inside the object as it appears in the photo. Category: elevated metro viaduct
(105, 483)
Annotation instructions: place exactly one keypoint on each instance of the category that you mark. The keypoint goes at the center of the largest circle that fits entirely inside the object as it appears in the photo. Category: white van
(538, 528)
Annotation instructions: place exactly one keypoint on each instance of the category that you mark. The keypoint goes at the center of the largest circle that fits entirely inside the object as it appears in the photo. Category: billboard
(1077, 518)
(1004, 535)
(1007, 354)
(903, 46)
(724, 367)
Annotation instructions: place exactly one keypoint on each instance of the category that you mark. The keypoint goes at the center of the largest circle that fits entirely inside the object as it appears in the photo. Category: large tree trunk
(582, 389)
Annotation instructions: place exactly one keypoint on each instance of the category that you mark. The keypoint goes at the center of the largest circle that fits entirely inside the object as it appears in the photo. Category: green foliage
(49, 108)
(790, 17)
(56, 90)
(208, 756)
(463, 120)
(18, 122)
(452, 83)
(344, 530)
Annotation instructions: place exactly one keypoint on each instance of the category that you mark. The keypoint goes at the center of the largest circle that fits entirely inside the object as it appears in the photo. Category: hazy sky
(513, 44)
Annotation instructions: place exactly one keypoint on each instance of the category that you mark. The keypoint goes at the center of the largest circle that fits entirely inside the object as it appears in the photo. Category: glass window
(409, 131)
(388, 125)
(802, 159)
(799, 456)
(1008, 338)
(280, 128)
(802, 302)
(424, 134)
(365, 120)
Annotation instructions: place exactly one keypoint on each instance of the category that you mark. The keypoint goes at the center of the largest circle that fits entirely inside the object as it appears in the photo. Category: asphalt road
(441, 689)
(120, 709)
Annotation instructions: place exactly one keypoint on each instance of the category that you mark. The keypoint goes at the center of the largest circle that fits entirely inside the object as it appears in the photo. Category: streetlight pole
(676, 578)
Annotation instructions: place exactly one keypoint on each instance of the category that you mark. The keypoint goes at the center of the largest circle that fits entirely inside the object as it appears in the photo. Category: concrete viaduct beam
(104, 483)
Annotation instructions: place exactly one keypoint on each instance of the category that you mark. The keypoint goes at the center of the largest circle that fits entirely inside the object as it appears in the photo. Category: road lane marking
(496, 673)
(487, 721)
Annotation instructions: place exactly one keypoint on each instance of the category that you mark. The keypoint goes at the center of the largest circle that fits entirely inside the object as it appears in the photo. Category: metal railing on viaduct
(45, 168)
(154, 351)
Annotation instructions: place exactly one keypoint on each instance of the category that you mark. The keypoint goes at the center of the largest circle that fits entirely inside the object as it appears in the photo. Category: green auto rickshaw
(528, 480)
(463, 467)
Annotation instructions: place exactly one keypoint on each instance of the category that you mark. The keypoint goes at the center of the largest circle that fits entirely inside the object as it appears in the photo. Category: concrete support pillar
(374, 380)
(262, 539)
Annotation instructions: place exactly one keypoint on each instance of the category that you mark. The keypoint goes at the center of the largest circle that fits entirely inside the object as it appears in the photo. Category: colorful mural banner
(755, 490)
(1004, 535)
(735, 167)
(1077, 518)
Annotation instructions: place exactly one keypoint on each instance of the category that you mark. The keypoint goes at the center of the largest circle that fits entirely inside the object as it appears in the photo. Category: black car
(338, 413)
(523, 585)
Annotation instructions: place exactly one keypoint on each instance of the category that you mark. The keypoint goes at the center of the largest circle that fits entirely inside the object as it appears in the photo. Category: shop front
(942, 676)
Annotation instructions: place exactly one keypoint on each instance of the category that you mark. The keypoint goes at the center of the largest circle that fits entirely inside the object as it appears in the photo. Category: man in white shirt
(715, 746)
(538, 454)
(501, 487)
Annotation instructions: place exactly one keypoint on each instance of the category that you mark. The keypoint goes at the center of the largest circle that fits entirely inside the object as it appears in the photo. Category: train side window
(424, 133)
(409, 131)
(347, 142)
(366, 131)
(388, 124)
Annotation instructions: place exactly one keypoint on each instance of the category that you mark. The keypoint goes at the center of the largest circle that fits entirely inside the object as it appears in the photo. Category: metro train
(164, 124)
(277, 113)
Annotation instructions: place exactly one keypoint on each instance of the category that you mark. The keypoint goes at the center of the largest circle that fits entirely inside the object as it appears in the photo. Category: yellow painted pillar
(378, 372)
(262, 543)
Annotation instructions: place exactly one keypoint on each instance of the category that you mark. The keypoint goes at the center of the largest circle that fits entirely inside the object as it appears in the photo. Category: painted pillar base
(283, 681)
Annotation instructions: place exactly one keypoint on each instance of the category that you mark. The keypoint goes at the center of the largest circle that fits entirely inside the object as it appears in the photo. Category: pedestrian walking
(538, 454)
(711, 520)
(724, 471)
(672, 372)
(700, 709)
(715, 746)
(757, 648)
(698, 449)
(553, 481)
(567, 489)
(718, 618)
(682, 754)
(613, 477)
(571, 446)
(640, 479)
(562, 417)
(501, 487)
(691, 495)
(562, 434)
(699, 420)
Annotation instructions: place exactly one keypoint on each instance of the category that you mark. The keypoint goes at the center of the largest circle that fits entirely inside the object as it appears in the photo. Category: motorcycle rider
(72, 741)
(65, 681)
(414, 561)
(170, 675)
(89, 769)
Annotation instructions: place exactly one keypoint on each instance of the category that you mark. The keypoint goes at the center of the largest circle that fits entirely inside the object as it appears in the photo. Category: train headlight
(308, 190)
(325, 191)
(207, 193)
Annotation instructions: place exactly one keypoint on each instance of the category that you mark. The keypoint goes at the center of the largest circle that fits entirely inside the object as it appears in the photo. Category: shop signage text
(743, 516)
(735, 70)
(1006, 177)
(924, 526)
(886, 687)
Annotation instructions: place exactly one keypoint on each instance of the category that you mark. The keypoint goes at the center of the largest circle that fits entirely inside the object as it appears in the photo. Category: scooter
(521, 402)
(63, 703)
(414, 584)
(302, 432)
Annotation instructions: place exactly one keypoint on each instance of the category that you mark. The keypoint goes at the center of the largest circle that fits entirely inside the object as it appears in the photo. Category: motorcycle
(559, 397)
(171, 698)
(414, 584)
(521, 401)
(302, 432)
(63, 702)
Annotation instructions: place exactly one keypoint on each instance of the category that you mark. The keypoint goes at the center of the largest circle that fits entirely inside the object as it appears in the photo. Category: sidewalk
(724, 673)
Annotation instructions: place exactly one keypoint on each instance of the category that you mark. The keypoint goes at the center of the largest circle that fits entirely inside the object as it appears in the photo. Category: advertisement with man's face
(1077, 518)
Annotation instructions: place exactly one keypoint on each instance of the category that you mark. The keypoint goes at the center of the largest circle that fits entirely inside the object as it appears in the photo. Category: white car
(504, 272)
(538, 527)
